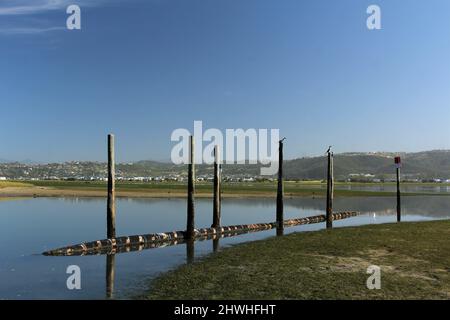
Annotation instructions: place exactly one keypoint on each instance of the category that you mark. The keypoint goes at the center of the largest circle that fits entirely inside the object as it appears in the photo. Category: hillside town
(95, 171)
(160, 172)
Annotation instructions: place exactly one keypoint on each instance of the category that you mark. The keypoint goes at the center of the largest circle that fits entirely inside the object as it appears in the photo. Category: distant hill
(428, 164)
(420, 165)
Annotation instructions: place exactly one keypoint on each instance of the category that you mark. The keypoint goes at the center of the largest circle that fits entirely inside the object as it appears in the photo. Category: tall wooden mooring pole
(111, 205)
(217, 197)
(280, 190)
(330, 190)
(190, 226)
(398, 164)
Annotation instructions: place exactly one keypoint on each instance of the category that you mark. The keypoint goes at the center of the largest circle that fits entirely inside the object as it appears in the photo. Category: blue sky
(141, 69)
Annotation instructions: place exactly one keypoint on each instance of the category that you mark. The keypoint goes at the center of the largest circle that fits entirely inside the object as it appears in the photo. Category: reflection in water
(190, 251)
(430, 206)
(423, 206)
(280, 231)
(215, 243)
(405, 188)
(111, 264)
(110, 271)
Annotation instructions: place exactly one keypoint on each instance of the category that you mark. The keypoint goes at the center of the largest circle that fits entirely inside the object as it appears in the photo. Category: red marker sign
(398, 162)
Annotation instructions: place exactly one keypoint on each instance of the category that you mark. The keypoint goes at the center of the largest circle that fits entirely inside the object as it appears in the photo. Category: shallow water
(406, 188)
(30, 226)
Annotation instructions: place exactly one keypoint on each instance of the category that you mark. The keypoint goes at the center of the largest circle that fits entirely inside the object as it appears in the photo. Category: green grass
(12, 184)
(243, 188)
(414, 260)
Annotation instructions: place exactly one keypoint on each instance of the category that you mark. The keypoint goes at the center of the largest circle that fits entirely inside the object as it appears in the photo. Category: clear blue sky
(141, 69)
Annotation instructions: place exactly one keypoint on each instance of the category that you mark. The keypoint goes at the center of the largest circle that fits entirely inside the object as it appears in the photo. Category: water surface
(30, 226)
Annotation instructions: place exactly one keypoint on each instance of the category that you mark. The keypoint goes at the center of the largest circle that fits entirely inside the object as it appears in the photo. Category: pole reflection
(190, 251)
(215, 244)
(280, 231)
(110, 272)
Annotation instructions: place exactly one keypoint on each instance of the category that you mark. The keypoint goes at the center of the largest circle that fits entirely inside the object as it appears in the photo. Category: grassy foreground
(414, 259)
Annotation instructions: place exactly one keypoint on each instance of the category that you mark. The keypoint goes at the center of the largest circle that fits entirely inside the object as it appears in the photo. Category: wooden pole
(330, 187)
(399, 209)
(110, 271)
(190, 227)
(280, 189)
(332, 183)
(111, 206)
(217, 198)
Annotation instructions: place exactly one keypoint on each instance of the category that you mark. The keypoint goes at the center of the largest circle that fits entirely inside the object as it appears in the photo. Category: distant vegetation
(421, 165)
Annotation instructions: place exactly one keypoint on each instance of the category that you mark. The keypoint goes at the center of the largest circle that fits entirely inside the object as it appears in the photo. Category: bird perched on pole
(329, 149)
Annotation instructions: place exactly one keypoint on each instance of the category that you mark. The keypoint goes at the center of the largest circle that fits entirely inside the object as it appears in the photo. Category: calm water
(386, 187)
(29, 227)
(414, 188)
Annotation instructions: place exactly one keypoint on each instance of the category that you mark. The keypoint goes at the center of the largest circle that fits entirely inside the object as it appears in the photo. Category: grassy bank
(414, 260)
(12, 184)
(178, 189)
